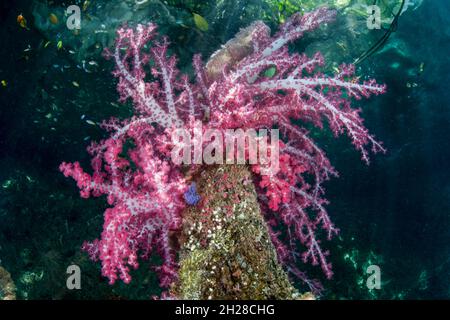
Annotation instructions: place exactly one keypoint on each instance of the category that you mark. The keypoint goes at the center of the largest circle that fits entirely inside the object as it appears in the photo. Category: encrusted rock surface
(226, 248)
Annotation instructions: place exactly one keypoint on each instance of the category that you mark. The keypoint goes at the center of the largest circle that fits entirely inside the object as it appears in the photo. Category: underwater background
(55, 88)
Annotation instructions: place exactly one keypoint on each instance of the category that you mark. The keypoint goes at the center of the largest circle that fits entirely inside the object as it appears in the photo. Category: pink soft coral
(146, 197)
(146, 202)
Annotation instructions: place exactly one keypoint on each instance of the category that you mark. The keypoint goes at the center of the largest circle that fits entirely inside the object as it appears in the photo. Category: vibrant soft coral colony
(147, 198)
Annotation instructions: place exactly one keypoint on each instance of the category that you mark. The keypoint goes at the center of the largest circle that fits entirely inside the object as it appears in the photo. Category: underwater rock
(7, 286)
(226, 251)
(234, 50)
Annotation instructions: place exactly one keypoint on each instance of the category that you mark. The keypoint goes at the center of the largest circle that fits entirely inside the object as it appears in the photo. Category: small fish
(7, 184)
(355, 80)
(270, 72)
(93, 63)
(342, 45)
(4, 83)
(86, 5)
(395, 65)
(181, 23)
(83, 66)
(59, 45)
(22, 21)
(200, 22)
(75, 84)
(71, 52)
(92, 123)
(47, 44)
(421, 68)
(53, 18)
